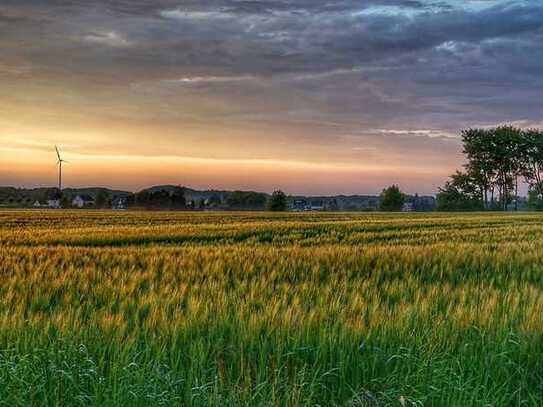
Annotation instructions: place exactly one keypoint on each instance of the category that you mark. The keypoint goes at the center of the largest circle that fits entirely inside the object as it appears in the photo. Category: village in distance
(170, 197)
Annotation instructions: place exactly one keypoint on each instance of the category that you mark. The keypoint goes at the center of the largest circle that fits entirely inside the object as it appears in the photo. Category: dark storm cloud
(276, 36)
(139, 7)
(401, 62)
(270, 37)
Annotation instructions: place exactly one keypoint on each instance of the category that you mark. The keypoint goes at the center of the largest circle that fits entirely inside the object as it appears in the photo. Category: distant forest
(171, 197)
(498, 160)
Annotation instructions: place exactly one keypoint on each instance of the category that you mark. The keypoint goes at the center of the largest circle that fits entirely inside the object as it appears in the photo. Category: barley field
(259, 309)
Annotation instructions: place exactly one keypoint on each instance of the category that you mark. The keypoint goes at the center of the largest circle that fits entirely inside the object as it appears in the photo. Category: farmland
(259, 309)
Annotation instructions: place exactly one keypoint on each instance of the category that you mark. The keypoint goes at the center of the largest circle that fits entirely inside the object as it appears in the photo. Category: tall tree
(461, 193)
(480, 164)
(504, 149)
(495, 162)
(535, 200)
(177, 198)
(532, 153)
(392, 199)
(278, 201)
(103, 199)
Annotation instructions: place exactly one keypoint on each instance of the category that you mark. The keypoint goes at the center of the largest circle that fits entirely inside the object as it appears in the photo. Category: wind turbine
(59, 163)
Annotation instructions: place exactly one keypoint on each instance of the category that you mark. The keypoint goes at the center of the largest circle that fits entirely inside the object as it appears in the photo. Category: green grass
(256, 309)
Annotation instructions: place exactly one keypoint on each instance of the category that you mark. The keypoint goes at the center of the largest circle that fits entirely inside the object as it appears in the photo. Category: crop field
(259, 309)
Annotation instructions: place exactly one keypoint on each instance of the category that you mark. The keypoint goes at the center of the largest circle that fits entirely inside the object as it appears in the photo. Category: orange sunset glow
(210, 97)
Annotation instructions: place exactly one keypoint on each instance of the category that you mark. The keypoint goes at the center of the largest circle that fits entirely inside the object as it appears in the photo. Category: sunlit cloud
(419, 133)
(180, 14)
(194, 80)
(111, 39)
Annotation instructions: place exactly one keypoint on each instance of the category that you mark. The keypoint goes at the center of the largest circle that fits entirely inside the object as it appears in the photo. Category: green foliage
(461, 193)
(103, 199)
(392, 199)
(246, 200)
(332, 205)
(215, 200)
(161, 199)
(270, 309)
(497, 159)
(65, 202)
(535, 200)
(278, 202)
(51, 194)
(130, 200)
(532, 151)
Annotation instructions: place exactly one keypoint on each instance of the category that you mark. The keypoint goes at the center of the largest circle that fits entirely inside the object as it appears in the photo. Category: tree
(392, 199)
(65, 202)
(497, 158)
(535, 200)
(278, 201)
(235, 200)
(214, 201)
(103, 199)
(532, 152)
(333, 205)
(481, 166)
(52, 194)
(130, 200)
(255, 200)
(505, 151)
(177, 199)
(461, 193)
(246, 200)
(161, 199)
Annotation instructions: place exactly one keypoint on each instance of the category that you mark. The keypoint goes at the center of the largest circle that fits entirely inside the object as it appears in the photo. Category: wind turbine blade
(58, 153)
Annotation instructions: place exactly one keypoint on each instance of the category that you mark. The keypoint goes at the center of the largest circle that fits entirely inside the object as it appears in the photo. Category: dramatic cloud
(111, 39)
(316, 81)
(211, 79)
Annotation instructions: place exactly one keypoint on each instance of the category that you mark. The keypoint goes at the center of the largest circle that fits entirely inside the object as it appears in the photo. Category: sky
(309, 96)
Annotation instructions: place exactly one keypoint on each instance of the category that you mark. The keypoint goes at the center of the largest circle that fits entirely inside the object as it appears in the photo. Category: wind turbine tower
(59, 163)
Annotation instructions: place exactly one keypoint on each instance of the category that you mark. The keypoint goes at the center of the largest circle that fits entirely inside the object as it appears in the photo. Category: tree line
(498, 160)
(236, 200)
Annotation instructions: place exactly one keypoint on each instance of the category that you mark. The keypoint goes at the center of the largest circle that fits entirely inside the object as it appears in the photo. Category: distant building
(119, 203)
(50, 203)
(82, 201)
(299, 205)
(331, 204)
(422, 203)
(317, 205)
(53, 203)
(408, 207)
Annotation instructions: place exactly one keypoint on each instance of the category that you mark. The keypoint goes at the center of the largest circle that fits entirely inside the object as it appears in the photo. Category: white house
(53, 203)
(408, 207)
(316, 205)
(50, 203)
(119, 203)
(299, 205)
(82, 201)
